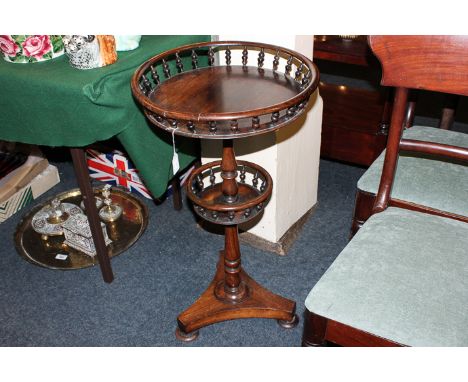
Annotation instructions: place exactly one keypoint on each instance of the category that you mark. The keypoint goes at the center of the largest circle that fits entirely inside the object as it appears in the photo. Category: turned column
(229, 172)
(231, 288)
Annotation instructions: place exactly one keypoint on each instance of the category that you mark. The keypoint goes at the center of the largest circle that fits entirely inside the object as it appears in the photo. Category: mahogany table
(226, 101)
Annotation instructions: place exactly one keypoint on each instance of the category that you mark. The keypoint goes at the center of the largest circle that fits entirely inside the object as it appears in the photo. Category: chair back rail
(435, 63)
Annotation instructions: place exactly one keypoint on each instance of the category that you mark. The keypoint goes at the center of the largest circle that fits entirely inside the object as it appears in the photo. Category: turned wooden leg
(315, 328)
(82, 175)
(231, 288)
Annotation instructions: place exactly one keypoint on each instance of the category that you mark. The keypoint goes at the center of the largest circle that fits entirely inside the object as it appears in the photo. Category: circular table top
(225, 101)
(229, 90)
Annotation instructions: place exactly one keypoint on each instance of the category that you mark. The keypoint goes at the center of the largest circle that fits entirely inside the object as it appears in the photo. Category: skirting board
(284, 244)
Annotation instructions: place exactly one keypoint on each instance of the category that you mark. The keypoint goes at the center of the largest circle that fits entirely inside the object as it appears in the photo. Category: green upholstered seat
(403, 277)
(447, 182)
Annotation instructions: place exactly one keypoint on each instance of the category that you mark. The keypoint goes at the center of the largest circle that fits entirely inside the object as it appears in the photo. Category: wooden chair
(402, 279)
(447, 196)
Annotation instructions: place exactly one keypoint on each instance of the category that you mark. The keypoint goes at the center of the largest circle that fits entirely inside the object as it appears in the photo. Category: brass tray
(54, 254)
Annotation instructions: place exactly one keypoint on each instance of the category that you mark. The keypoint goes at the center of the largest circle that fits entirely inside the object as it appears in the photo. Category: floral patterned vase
(30, 48)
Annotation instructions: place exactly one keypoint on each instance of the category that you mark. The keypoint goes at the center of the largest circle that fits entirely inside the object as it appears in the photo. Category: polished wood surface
(247, 196)
(418, 62)
(349, 51)
(305, 73)
(391, 154)
(318, 331)
(436, 63)
(354, 129)
(435, 149)
(355, 120)
(224, 89)
(258, 302)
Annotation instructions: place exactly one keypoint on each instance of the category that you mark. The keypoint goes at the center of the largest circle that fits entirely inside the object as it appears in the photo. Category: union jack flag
(114, 168)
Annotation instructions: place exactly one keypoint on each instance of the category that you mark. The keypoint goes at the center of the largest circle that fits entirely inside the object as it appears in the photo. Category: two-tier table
(266, 91)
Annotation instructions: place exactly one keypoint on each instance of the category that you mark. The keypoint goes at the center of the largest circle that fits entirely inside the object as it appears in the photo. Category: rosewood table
(226, 101)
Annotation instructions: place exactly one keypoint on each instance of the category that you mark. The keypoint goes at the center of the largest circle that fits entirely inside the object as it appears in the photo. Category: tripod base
(256, 302)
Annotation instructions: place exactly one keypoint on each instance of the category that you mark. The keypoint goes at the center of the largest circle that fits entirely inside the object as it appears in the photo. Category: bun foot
(186, 337)
(289, 324)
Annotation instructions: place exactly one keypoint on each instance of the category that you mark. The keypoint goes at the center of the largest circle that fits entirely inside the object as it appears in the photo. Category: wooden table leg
(82, 175)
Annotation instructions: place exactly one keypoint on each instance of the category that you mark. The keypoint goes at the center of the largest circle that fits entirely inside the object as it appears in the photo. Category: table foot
(258, 302)
(186, 337)
(289, 324)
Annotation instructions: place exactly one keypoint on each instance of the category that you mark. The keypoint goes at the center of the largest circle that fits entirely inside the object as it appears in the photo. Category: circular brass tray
(46, 253)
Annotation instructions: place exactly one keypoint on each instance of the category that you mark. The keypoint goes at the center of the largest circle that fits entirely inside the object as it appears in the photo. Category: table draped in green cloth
(51, 103)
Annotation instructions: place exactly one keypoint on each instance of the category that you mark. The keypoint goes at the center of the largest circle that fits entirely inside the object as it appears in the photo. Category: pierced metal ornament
(47, 222)
(78, 234)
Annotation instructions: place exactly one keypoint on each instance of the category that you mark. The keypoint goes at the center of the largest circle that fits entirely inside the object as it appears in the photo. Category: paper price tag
(175, 156)
(61, 256)
(175, 163)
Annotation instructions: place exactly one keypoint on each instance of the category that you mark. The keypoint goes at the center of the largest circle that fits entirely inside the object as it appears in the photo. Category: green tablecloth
(50, 103)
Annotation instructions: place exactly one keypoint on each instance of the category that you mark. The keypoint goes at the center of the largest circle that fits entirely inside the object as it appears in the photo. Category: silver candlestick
(111, 211)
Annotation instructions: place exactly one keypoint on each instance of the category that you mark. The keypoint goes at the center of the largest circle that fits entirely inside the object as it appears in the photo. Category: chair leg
(82, 175)
(315, 328)
(448, 111)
